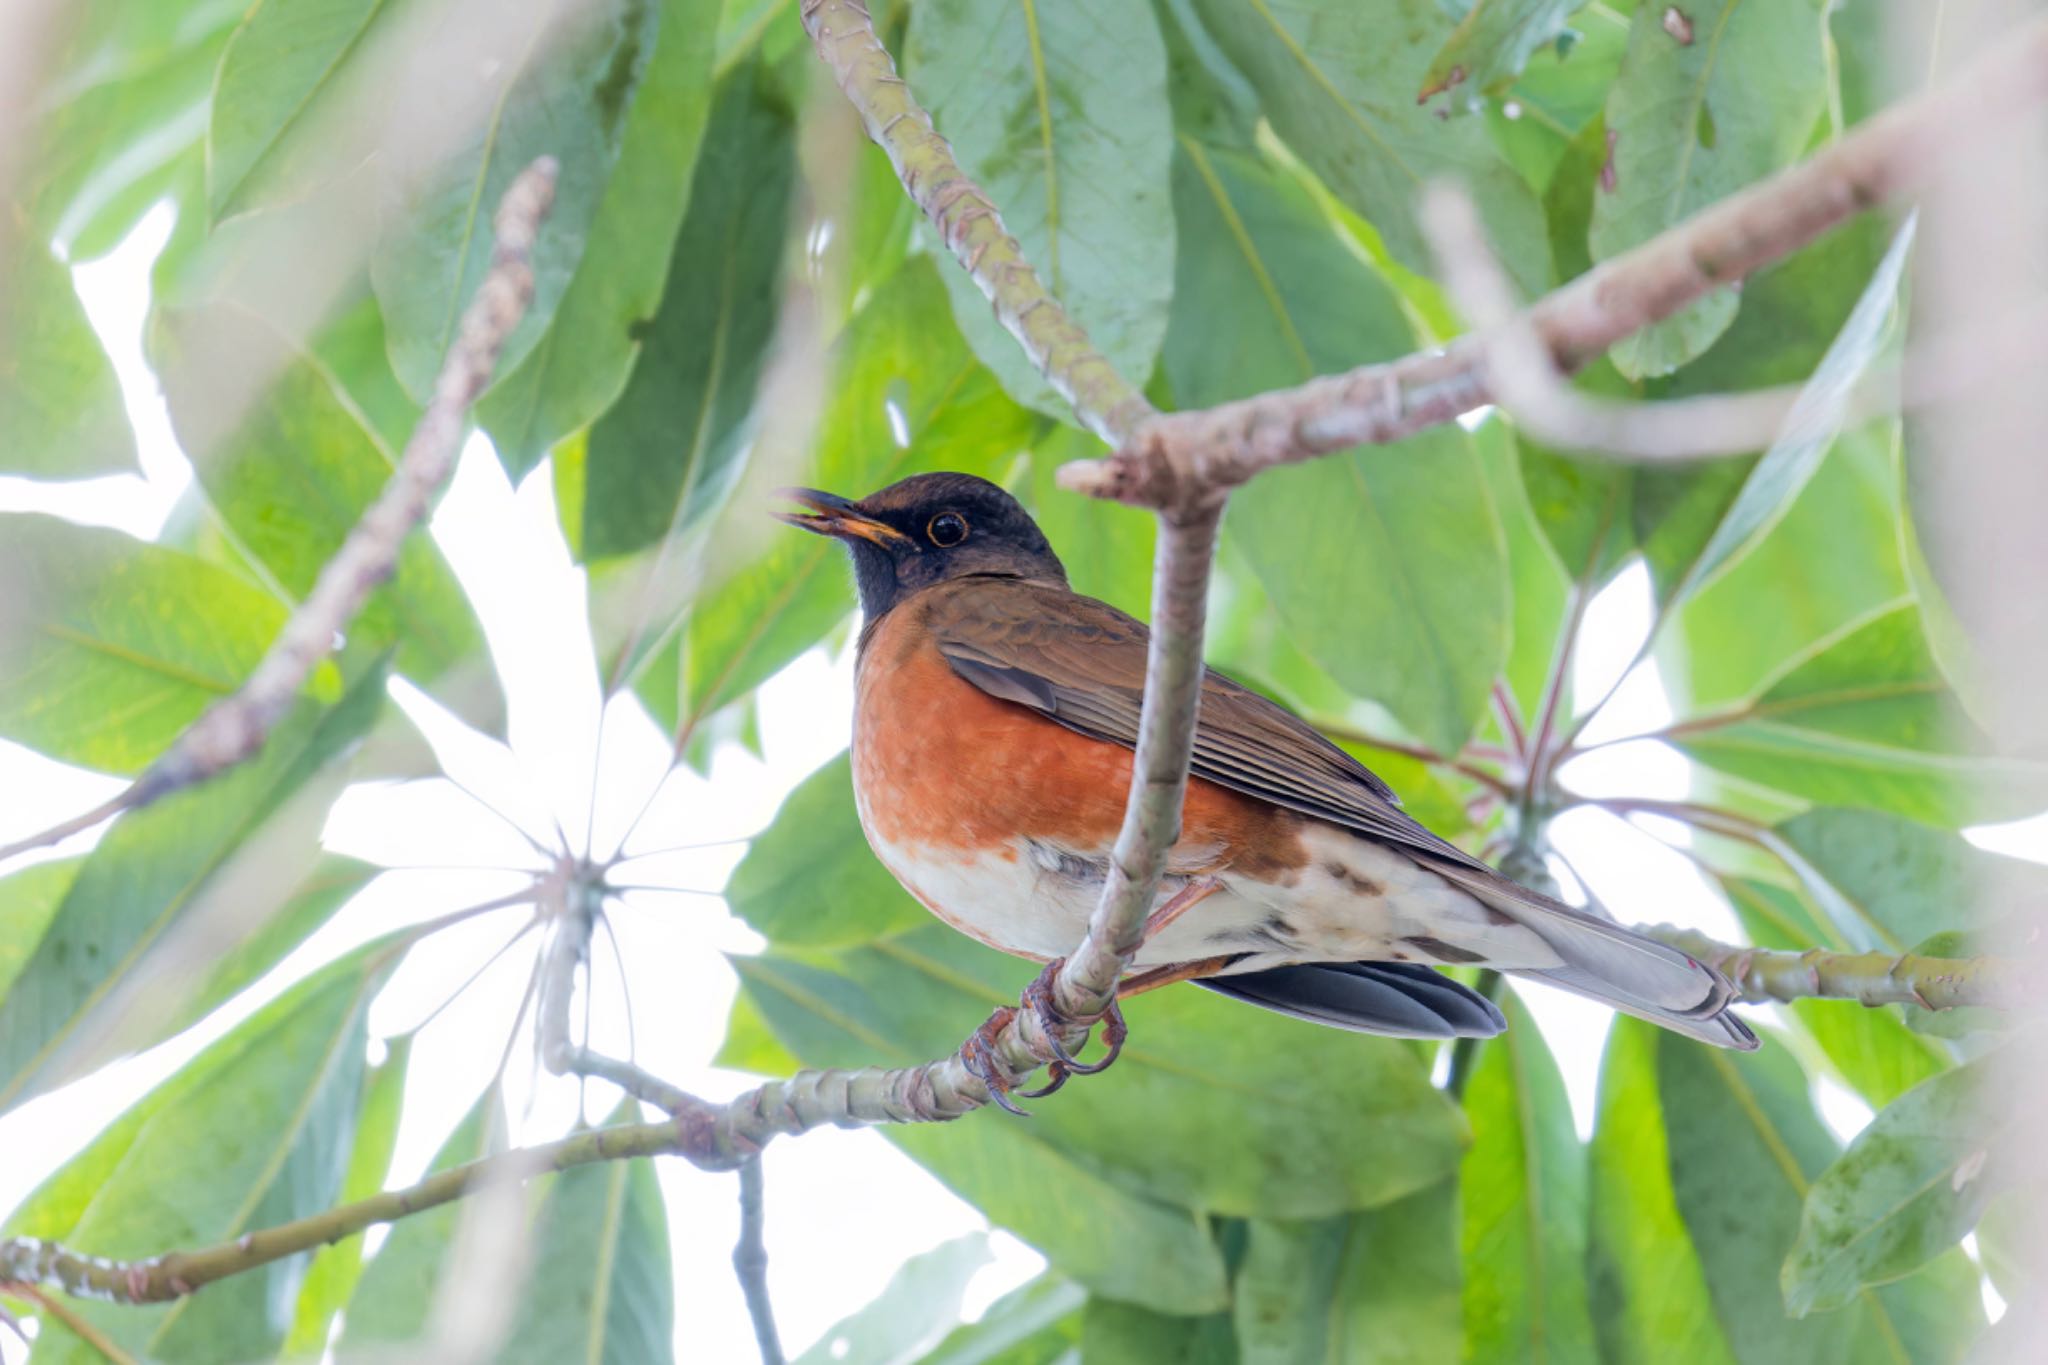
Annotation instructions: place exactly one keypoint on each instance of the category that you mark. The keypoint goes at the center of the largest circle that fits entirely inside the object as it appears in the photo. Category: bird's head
(924, 530)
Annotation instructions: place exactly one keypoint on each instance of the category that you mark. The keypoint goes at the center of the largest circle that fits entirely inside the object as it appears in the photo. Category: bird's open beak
(831, 515)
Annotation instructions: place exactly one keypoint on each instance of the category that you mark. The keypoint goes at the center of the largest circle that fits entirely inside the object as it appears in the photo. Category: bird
(996, 711)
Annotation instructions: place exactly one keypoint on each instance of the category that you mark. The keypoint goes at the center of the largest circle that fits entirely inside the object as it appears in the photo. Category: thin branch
(750, 1263)
(1889, 156)
(76, 1323)
(1935, 983)
(77, 824)
(1423, 753)
(234, 728)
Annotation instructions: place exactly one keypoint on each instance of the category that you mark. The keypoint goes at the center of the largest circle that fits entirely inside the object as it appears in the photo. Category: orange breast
(939, 764)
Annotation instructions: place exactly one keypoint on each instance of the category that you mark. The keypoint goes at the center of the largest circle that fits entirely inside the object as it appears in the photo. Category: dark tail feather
(1396, 999)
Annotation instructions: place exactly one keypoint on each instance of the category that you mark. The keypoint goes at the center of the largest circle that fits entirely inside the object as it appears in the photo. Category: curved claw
(1114, 1032)
(977, 1055)
(1052, 1021)
(1055, 1076)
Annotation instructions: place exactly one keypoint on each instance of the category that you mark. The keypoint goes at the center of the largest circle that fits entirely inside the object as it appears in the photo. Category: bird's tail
(1618, 967)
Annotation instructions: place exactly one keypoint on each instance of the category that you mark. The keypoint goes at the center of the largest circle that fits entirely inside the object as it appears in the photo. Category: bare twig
(1935, 983)
(1888, 157)
(750, 1263)
(74, 1322)
(234, 728)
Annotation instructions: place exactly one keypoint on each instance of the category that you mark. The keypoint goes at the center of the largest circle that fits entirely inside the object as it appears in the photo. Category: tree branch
(1935, 983)
(750, 1263)
(234, 728)
(1891, 155)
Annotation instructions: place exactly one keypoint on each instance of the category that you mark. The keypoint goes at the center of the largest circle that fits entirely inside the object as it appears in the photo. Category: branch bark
(750, 1263)
(1935, 983)
(1892, 155)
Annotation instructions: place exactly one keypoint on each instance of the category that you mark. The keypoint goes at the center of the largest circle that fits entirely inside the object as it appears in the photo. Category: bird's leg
(1179, 903)
(978, 1055)
(1139, 982)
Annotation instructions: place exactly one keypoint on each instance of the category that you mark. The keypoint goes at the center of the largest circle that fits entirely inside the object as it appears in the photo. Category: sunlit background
(845, 1209)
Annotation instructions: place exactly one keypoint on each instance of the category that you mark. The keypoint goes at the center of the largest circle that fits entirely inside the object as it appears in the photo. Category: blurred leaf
(1035, 1324)
(29, 900)
(292, 478)
(1539, 585)
(331, 883)
(1648, 1285)
(1694, 121)
(350, 349)
(1114, 1333)
(811, 881)
(560, 84)
(1523, 1197)
(1106, 546)
(918, 1307)
(577, 368)
(1746, 1145)
(332, 1274)
(1212, 101)
(750, 1045)
(1405, 602)
(147, 874)
(1582, 507)
(1873, 1051)
(1865, 719)
(255, 1131)
(59, 402)
(1215, 1106)
(667, 449)
(1491, 44)
(900, 354)
(1059, 113)
(600, 1289)
(109, 647)
(1910, 1186)
(1339, 83)
(396, 1291)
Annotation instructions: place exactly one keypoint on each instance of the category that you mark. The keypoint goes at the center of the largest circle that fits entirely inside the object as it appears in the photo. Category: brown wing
(1082, 663)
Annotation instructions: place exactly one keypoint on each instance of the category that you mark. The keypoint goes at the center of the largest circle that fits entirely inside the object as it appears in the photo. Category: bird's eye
(947, 528)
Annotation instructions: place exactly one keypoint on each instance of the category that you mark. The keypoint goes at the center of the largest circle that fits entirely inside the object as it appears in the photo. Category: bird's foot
(979, 1055)
(1054, 1021)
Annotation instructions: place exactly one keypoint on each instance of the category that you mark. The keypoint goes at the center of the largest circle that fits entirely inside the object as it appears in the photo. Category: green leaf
(600, 1289)
(1866, 720)
(60, 404)
(261, 945)
(1745, 1146)
(917, 1308)
(1648, 1285)
(290, 481)
(1115, 1333)
(1581, 506)
(1406, 603)
(704, 350)
(336, 1267)
(1523, 1191)
(577, 368)
(810, 879)
(396, 1291)
(29, 900)
(1491, 44)
(255, 1131)
(900, 353)
(549, 86)
(1216, 1106)
(1059, 112)
(1106, 546)
(110, 647)
(92, 988)
(1909, 1187)
(1696, 121)
(1035, 1324)
(1339, 81)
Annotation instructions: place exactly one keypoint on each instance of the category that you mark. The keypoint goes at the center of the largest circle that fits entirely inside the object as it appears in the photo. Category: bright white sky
(845, 1209)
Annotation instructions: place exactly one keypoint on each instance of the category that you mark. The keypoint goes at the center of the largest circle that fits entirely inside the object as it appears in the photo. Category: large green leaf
(1523, 1192)
(1034, 1324)
(1059, 112)
(666, 449)
(29, 900)
(291, 480)
(395, 1292)
(59, 402)
(1105, 546)
(1909, 1187)
(1866, 720)
(1694, 121)
(557, 81)
(1405, 602)
(577, 367)
(1213, 1106)
(262, 944)
(780, 590)
(1114, 1333)
(90, 987)
(1491, 44)
(1745, 1147)
(600, 1290)
(915, 1310)
(110, 647)
(811, 881)
(1339, 81)
(255, 1131)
